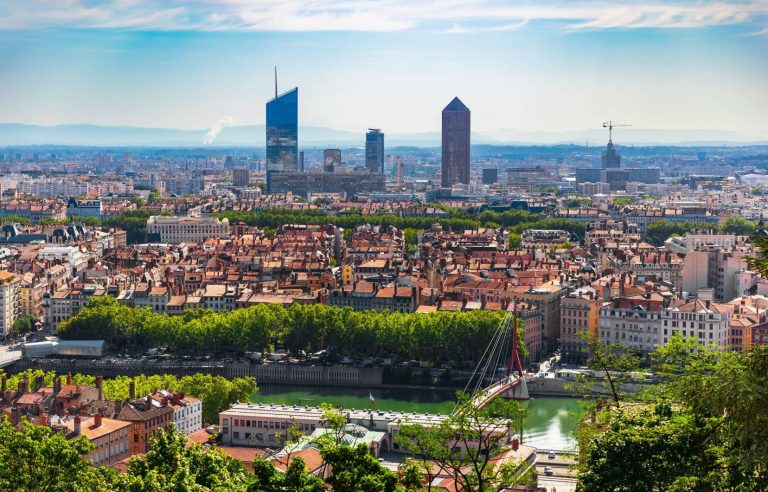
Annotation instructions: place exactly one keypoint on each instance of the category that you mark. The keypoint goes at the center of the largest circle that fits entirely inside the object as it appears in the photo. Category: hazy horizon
(522, 68)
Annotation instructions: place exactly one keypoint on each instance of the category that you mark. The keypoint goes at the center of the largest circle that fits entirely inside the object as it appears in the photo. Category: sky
(553, 65)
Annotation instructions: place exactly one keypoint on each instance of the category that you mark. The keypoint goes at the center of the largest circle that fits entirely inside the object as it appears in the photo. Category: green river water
(550, 423)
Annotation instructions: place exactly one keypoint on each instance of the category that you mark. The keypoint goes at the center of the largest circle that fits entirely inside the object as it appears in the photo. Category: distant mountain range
(309, 136)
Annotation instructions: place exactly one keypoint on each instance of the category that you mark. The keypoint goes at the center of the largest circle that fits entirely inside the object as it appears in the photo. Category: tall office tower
(241, 177)
(331, 160)
(301, 161)
(455, 168)
(374, 150)
(283, 132)
(490, 175)
(229, 162)
(611, 159)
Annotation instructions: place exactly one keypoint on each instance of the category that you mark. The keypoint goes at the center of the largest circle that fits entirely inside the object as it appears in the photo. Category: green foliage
(15, 218)
(577, 202)
(623, 201)
(134, 222)
(515, 241)
(739, 226)
(413, 479)
(274, 217)
(24, 324)
(659, 231)
(295, 478)
(704, 427)
(760, 262)
(356, 470)
(644, 449)
(613, 364)
(411, 237)
(436, 337)
(464, 444)
(170, 465)
(218, 393)
(41, 459)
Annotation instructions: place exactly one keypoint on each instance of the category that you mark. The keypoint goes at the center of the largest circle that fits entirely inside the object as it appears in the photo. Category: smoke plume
(211, 135)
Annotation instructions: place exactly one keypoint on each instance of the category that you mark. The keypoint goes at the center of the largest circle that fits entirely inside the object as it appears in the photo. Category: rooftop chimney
(56, 385)
(69, 378)
(77, 425)
(39, 381)
(15, 415)
(23, 385)
(100, 387)
(97, 420)
(132, 390)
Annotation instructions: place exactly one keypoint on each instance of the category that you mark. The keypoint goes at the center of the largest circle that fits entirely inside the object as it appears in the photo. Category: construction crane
(610, 125)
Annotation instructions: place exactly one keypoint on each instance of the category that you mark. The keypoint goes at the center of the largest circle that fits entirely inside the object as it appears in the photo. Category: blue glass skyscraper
(283, 133)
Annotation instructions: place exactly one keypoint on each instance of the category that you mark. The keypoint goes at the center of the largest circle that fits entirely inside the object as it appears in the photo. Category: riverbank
(550, 423)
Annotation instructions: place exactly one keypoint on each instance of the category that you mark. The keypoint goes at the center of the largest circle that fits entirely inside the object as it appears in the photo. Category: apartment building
(579, 313)
(10, 301)
(187, 410)
(109, 437)
(707, 322)
(632, 321)
(145, 416)
(52, 188)
(186, 229)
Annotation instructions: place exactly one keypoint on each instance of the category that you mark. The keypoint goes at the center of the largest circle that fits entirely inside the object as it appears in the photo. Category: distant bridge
(490, 378)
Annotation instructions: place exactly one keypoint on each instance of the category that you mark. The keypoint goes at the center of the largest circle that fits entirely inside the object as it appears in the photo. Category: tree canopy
(437, 337)
(218, 393)
(704, 427)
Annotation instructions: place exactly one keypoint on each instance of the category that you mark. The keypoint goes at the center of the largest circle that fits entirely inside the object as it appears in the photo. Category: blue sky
(554, 65)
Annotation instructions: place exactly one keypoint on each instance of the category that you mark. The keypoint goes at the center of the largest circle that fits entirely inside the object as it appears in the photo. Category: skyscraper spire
(275, 81)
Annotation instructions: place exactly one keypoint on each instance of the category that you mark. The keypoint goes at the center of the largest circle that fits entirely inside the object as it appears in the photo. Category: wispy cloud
(375, 15)
(457, 29)
(509, 27)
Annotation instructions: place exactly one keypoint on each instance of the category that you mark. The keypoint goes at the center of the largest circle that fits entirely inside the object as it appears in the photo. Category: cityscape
(363, 286)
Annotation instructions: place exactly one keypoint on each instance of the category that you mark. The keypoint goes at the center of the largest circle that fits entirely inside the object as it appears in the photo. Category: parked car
(548, 470)
(552, 455)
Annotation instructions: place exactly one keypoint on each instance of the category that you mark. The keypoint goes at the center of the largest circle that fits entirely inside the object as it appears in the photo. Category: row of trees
(437, 337)
(704, 427)
(515, 220)
(659, 231)
(40, 458)
(218, 393)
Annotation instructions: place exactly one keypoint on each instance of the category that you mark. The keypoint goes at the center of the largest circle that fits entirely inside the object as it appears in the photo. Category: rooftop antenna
(275, 81)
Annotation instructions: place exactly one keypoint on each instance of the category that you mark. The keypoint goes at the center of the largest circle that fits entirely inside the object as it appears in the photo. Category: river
(550, 423)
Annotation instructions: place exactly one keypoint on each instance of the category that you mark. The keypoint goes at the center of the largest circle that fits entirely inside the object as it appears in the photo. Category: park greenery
(440, 337)
(466, 446)
(659, 231)
(514, 220)
(702, 427)
(218, 393)
(39, 458)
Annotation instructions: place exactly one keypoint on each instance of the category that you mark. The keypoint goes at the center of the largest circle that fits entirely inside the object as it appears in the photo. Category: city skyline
(522, 68)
